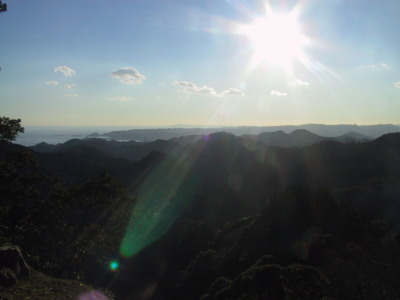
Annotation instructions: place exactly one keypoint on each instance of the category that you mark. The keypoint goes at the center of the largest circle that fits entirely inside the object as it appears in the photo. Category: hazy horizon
(197, 125)
(59, 134)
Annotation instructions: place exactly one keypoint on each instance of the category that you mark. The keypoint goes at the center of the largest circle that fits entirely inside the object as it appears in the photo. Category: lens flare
(92, 295)
(114, 265)
(162, 197)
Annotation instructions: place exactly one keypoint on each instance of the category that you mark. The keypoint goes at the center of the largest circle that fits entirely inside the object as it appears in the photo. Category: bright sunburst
(276, 38)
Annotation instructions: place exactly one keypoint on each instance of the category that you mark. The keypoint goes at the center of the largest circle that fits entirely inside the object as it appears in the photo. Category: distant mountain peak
(304, 132)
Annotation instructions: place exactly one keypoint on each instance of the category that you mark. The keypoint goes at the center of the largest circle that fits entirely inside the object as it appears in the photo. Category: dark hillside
(132, 151)
(303, 226)
(213, 218)
(298, 138)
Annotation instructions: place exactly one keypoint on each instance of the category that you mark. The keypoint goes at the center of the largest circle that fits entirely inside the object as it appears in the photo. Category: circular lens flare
(114, 265)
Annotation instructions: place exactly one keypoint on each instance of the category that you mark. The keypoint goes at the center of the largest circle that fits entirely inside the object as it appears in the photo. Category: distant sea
(59, 134)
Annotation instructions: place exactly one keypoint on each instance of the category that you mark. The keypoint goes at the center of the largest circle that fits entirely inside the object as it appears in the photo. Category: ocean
(59, 134)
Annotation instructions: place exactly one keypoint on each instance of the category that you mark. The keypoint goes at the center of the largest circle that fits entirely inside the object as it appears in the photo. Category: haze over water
(59, 134)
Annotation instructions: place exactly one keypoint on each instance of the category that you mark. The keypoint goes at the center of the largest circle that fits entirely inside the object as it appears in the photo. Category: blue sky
(168, 62)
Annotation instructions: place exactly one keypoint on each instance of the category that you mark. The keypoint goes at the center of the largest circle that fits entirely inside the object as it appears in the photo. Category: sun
(276, 38)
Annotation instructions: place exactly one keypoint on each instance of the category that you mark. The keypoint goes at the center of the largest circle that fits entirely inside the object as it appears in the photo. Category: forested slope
(223, 217)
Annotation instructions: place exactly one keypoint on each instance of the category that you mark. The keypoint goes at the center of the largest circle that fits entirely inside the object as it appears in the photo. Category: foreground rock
(42, 287)
(19, 281)
(12, 266)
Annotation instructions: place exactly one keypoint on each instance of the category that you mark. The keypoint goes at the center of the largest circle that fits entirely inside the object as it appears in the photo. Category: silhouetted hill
(373, 131)
(391, 140)
(81, 162)
(240, 165)
(353, 137)
(298, 138)
(130, 150)
(235, 217)
(78, 160)
(302, 138)
(8, 147)
(187, 139)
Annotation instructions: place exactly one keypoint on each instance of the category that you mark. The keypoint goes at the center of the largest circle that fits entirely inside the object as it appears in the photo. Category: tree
(3, 7)
(9, 128)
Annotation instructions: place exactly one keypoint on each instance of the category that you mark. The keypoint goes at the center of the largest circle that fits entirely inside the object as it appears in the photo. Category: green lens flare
(114, 265)
(162, 197)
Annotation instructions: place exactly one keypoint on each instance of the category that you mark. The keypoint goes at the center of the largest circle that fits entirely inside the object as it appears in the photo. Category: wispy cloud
(185, 85)
(278, 94)
(67, 71)
(381, 66)
(120, 98)
(397, 84)
(192, 88)
(70, 86)
(298, 82)
(232, 92)
(53, 82)
(71, 95)
(128, 75)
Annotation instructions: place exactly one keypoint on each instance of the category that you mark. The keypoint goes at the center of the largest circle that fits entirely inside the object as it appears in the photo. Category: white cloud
(397, 84)
(278, 94)
(192, 88)
(53, 82)
(298, 82)
(381, 66)
(232, 92)
(128, 75)
(72, 95)
(185, 84)
(70, 86)
(120, 98)
(207, 90)
(65, 70)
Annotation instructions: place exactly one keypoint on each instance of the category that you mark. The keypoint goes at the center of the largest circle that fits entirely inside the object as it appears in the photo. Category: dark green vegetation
(9, 128)
(262, 222)
(3, 7)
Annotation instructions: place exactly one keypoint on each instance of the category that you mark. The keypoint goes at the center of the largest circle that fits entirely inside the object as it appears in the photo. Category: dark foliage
(261, 223)
(271, 281)
(9, 128)
(65, 232)
(3, 7)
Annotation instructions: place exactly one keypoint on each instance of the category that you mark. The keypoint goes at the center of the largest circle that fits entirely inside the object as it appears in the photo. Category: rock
(7, 277)
(12, 265)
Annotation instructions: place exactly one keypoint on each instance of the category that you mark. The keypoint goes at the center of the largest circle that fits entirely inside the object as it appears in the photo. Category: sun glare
(276, 39)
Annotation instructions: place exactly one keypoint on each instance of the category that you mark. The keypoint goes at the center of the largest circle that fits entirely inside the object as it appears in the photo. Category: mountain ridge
(150, 134)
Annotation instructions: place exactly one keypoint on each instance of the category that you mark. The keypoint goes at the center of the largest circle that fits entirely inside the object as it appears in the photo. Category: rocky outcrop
(12, 265)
